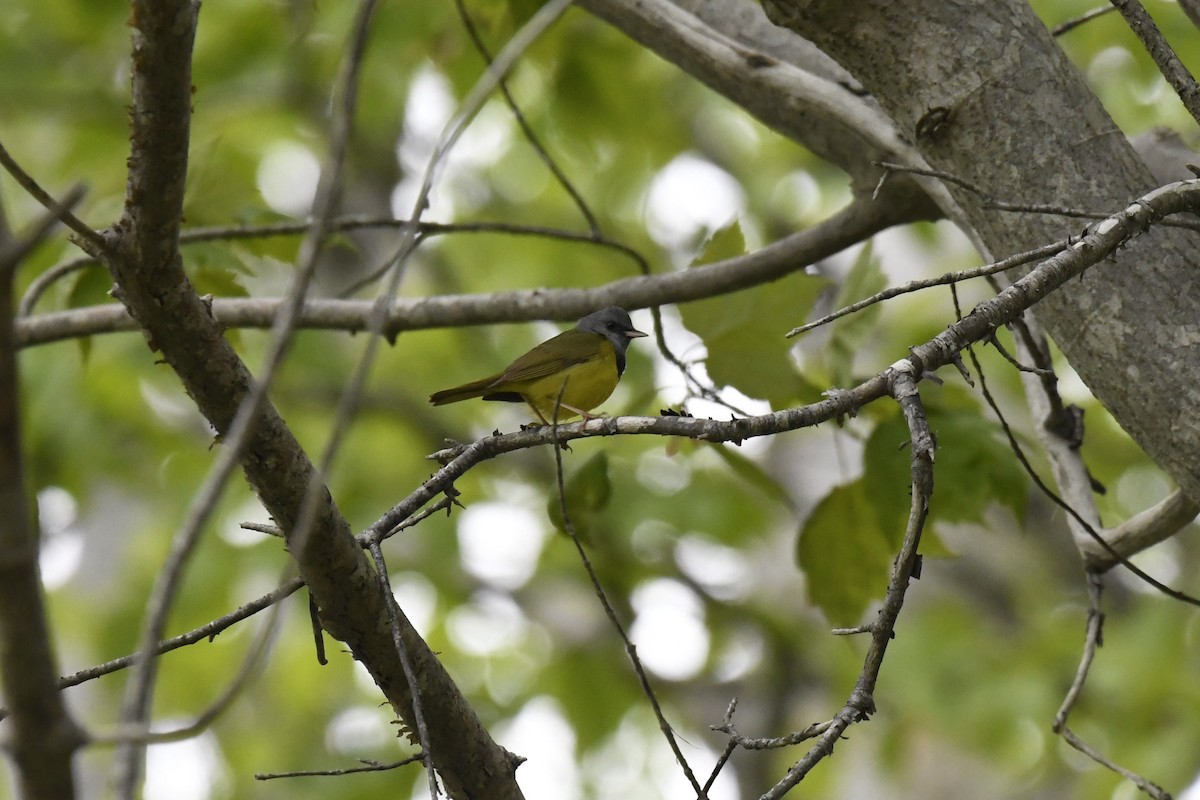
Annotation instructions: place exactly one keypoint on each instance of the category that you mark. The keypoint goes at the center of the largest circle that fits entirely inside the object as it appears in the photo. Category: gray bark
(980, 90)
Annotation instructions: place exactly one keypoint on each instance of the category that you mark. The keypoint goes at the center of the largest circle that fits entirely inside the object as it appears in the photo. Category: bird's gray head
(614, 324)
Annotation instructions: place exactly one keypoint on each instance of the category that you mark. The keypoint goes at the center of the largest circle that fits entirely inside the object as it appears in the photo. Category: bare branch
(43, 737)
(857, 221)
(368, 766)
(526, 129)
(1075, 22)
(1141, 531)
(208, 631)
(902, 385)
(1192, 9)
(251, 667)
(399, 626)
(1177, 75)
(204, 503)
(1046, 209)
(643, 679)
(148, 268)
(160, 121)
(27, 182)
(1082, 511)
(805, 97)
(950, 278)
(1095, 626)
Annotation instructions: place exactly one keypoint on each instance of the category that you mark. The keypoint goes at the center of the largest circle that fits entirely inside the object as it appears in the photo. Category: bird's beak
(635, 334)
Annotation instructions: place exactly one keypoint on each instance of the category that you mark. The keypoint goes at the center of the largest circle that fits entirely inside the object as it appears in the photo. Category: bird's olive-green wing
(552, 356)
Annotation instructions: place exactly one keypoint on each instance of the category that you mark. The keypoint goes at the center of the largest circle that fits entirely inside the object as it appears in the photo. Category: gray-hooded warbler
(574, 372)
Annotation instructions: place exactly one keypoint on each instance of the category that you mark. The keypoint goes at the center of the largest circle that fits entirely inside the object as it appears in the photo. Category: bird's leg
(583, 414)
(529, 403)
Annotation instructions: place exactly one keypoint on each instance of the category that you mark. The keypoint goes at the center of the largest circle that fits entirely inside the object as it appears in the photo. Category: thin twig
(14, 250)
(602, 596)
(951, 278)
(774, 742)
(397, 626)
(1146, 786)
(1092, 640)
(1011, 359)
(902, 385)
(208, 631)
(250, 669)
(1075, 22)
(426, 230)
(367, 766)
(722, 760)
(1177, 75)
(441, 505)
(526, 129)
(93, 239)
(42, 283)
(1022, 208)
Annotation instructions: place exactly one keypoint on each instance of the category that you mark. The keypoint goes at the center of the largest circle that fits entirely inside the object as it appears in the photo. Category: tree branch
(43, 737)
(146, 264)
(1095, 626)
(1141, 531)
(1177, 75)
(902, 385)
(1097, 244)
(966, 90)
(854, 223)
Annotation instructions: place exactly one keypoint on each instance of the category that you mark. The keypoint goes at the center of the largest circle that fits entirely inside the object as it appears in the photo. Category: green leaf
(975, 467)
(750, 471)
(218, 282)
(91, 287)
(595, 713)
(744, 332)
(586, 493)
(887, 471)
(845, 553)
(727, 242)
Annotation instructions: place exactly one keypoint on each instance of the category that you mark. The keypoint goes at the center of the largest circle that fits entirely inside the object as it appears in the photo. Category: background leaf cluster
(796, 534)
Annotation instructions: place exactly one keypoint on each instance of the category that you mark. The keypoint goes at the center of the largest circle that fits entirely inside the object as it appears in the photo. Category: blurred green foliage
(991, 635)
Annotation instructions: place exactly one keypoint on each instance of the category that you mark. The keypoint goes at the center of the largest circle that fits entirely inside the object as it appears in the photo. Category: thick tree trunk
(984, 93)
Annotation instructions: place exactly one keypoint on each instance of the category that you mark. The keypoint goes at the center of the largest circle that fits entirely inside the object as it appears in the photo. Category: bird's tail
(465, 392)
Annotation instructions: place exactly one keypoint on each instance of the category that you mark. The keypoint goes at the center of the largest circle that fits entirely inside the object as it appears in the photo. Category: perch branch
(1098, 242)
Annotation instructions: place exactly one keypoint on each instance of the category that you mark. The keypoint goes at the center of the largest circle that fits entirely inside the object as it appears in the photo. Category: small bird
(562, 377)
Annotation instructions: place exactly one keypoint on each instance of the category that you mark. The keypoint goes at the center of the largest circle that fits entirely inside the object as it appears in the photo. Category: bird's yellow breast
(584, 385)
